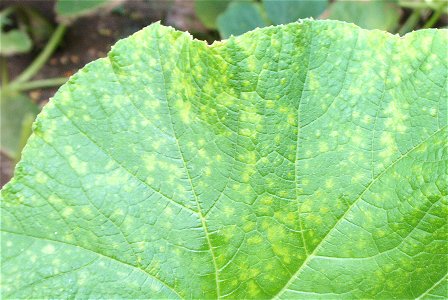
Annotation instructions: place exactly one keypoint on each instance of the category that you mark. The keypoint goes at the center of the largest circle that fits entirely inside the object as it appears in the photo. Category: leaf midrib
(201, 215)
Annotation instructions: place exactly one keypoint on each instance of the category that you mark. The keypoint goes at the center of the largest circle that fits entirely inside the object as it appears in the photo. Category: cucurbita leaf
(300, 161)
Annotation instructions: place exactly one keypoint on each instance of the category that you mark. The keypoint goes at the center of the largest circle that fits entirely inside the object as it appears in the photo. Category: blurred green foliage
(287, 11)
(68, 10)
(382, 15)
(22, 30)
(240, 17)
(236, 17)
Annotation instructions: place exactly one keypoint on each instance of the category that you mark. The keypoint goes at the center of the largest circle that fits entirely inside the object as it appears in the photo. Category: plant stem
(5, 73)
(435, 17)
(42, 58)
(36, 84)
(411, 22)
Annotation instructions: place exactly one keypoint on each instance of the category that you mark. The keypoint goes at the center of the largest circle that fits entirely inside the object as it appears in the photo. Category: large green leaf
(300, 161)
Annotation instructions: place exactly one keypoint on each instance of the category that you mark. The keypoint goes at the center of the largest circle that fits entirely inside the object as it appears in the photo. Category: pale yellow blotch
(313, 83)
(208, 171)
(41, 177)
(380, 233)
(249, 158)
(229, 211)
(88, 212)
(276, 232)
(48, 249)
(357, 139)
(433, 112)
(115, 179)
(202, 153)
(247, 132)
(150, 161)
(184, 110)
(292, 119)
(68, 149)
(67, 211)
(329, 183)
(79, 166)
(55, 200)
(283, 109)
(254, 240)
(281, 251)
(266, 200)
(252, 63)
(228, 233)
(323, 147)
(388, 141)
(253, 288)
(324, 210)
(118, 212)
(396, 120)
(306, 206)
(249, 226)
(334, 133)
(270, 104)
(355, 91)
(168, 211)
(357, 177)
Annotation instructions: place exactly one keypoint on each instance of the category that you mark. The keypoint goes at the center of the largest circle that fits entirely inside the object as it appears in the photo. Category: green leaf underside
(305, 160)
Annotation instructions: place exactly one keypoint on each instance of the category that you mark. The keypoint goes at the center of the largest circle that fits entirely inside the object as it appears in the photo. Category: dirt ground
(91, 37)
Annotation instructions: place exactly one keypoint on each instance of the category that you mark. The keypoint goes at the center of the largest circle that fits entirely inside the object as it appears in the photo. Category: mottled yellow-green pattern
(301, 161)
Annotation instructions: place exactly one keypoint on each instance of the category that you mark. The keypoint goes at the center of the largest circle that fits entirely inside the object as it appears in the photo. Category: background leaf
(39, 27)
(239, 18)
(14, 42)
(367, 14)
(209, 10)
(15, 108)
(69, 9)
(286, 11)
